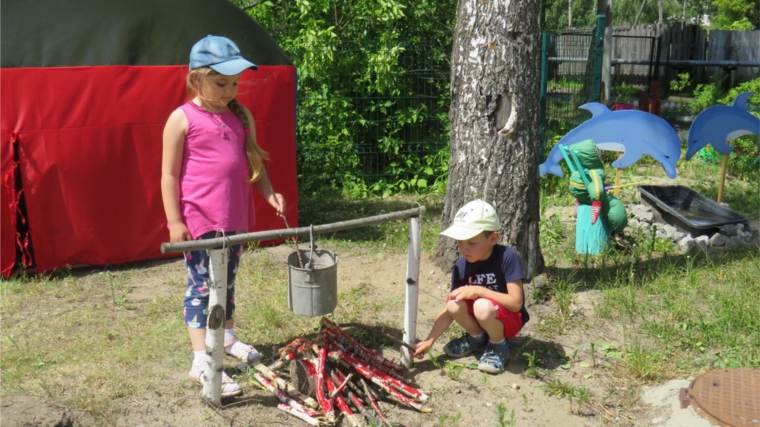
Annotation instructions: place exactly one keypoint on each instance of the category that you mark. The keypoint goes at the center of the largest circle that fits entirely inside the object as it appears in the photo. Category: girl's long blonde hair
(255, 154)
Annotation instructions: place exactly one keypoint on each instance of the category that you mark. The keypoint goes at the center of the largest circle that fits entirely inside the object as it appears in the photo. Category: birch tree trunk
(494, 117)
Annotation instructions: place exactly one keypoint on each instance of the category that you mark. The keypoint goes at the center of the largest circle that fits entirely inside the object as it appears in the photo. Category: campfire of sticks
(332, 375)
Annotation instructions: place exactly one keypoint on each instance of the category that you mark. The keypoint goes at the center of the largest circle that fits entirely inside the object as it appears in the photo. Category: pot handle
(310, 265)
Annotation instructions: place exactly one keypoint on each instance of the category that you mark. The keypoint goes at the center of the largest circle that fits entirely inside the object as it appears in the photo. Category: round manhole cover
(726, 397)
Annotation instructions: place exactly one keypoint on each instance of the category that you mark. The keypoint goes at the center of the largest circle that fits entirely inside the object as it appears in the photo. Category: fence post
(412, 289)
(599, 44)
(608, 54)
(542, 93)
(217, 303)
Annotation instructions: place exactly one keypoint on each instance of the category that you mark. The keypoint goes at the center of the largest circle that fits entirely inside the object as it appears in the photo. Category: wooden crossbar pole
(259, 236)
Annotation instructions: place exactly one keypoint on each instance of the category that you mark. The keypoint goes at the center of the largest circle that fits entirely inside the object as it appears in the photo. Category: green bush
(373, 91)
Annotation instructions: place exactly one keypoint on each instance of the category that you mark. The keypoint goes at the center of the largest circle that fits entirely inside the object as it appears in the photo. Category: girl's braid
(256, 155)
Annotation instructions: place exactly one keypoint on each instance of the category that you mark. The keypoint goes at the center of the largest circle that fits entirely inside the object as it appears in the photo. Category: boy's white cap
(472, 219)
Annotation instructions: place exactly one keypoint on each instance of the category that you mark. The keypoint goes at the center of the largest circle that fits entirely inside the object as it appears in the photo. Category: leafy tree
(735, 14)
(626, 12)
(556, 14)
(648, 11)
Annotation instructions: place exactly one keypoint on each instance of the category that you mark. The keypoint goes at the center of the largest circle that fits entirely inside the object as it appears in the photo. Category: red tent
(85, 89)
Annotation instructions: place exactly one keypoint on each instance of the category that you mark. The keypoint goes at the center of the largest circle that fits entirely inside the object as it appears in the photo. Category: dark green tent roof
(58, 33)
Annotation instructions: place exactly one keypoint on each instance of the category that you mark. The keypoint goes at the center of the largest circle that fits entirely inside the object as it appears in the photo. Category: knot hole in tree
(502, 111)
(215, 317)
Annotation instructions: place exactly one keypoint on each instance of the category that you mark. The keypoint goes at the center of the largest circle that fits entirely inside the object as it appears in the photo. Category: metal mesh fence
(571, 70)
(370, 124)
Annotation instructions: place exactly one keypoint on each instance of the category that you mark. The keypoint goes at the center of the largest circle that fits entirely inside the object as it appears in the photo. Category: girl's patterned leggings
(195, 311)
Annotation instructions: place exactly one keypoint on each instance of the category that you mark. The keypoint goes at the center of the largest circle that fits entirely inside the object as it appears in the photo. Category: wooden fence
(636, 50)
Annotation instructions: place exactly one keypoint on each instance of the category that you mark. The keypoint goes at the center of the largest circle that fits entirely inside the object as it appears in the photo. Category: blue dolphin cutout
(722, 123)
(633, 132)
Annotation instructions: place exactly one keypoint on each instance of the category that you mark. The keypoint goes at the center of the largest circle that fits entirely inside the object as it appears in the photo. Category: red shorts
(512, 321)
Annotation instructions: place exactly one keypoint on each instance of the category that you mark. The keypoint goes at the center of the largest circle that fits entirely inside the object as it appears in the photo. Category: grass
(702, 310)
(80, 346)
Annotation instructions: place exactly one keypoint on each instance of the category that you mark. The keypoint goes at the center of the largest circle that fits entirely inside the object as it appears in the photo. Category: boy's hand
(422, 348)
(465, 292)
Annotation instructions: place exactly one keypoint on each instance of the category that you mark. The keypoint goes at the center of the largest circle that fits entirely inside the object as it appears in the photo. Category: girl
(210, 156)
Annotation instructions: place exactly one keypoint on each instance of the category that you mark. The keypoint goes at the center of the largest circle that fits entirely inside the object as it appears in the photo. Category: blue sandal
(494, 359)
(463, 346)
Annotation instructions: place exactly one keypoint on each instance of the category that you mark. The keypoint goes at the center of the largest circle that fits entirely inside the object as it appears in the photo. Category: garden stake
(723, 165)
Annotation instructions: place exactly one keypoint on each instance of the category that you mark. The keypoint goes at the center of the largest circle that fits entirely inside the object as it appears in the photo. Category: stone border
(642, 217)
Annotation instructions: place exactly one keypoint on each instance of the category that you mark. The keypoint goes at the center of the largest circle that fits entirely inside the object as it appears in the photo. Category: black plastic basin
(688, 210)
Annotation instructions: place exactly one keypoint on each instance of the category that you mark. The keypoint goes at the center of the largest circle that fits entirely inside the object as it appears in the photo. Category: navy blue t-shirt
(502, 267)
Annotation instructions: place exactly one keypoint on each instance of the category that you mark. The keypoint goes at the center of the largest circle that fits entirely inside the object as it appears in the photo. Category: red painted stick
(293, 346)
(325, 403)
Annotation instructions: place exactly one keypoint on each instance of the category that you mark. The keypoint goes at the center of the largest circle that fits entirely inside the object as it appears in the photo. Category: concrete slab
(666, 396)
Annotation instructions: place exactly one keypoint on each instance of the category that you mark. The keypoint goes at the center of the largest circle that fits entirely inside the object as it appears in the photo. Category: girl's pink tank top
(214, 192)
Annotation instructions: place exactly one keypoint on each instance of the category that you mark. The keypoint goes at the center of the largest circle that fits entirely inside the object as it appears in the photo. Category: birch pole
(412, 289)
(217, 302)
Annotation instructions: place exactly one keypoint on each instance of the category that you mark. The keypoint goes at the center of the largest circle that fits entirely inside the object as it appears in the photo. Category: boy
(486, 296)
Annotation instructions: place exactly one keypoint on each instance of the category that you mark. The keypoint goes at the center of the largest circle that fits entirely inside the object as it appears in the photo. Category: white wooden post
(217, 304)
(412, 289)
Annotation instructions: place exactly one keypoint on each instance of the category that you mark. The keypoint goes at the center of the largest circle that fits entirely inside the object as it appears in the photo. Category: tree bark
(494, 117)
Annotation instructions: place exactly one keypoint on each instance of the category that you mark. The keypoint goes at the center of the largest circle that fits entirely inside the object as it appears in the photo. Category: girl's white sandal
(242, 351)
(229, 386)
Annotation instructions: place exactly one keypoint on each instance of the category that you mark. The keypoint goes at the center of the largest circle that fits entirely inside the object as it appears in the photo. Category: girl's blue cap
(219, 53)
